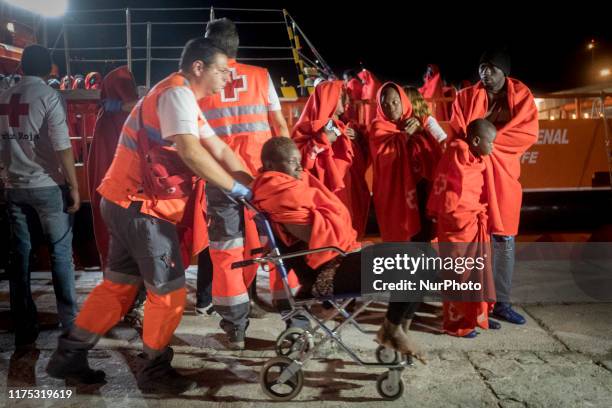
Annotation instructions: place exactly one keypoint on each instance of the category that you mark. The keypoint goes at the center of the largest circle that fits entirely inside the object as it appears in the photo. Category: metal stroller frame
(295, 346)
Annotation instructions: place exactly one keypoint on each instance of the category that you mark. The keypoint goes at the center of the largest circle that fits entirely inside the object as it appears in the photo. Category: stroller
(282, 378)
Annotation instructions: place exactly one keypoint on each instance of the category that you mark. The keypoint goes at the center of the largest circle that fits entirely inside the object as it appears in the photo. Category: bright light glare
(46, 8)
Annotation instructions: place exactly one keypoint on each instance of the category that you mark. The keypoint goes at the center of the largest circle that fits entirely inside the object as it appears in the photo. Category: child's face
(482, 142)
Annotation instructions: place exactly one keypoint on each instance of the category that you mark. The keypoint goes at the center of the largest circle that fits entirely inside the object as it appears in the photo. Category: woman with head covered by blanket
(330, 151)
(402, 154)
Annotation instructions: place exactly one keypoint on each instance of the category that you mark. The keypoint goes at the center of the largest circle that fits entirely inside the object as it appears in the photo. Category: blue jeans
(503, 266)
(24, 206)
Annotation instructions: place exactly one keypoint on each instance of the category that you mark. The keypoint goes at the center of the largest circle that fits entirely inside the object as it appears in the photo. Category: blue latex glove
(240, 191)
(112, 105)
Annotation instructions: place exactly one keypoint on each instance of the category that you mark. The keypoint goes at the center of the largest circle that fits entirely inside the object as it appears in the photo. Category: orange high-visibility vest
(239, 114)
(123, 182)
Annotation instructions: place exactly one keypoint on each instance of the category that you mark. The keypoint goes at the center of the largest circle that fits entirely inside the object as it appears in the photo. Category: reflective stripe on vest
(235, 111)
(228, 130)
(128, 142)
(132, 126)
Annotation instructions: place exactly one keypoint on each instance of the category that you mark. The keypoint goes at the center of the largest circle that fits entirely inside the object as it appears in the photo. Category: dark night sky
(547, 43)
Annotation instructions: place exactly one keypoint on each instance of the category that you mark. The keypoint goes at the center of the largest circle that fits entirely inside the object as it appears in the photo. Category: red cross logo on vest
(14, 110)
(237, 84)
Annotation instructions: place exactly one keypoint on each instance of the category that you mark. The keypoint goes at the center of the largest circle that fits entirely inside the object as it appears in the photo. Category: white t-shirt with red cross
(32, 128)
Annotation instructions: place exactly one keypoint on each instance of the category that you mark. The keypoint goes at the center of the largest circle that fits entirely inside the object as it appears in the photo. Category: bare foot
(393, 336)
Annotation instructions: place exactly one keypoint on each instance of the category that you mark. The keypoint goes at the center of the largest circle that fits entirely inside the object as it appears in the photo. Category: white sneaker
(205, 311)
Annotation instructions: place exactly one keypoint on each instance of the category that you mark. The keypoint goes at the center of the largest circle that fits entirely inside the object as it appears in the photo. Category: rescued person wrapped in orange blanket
(459, 203)
(330, 152)
(307, 215)
(118, 95)
(509, 105)
(402, 154)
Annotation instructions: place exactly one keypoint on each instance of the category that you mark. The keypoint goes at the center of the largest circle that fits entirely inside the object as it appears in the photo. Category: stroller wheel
(270, 380)
(292, 341)
(389, 389)
(385, 355)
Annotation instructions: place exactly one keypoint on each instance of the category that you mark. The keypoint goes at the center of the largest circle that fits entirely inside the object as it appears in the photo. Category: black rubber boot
(258, 308)
(69, 362)
(158, 377)
(236, 338)
(255, 311)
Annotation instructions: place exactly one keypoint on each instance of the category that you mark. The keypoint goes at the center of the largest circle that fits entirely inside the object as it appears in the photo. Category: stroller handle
(242, 264)
(273, 258)
(247, 204)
